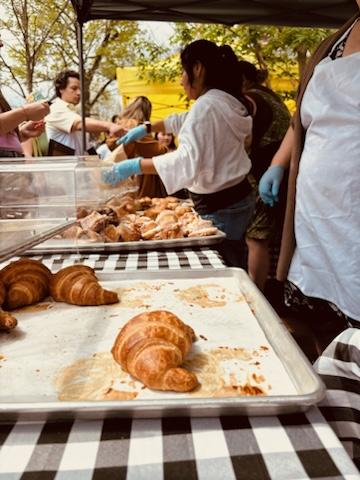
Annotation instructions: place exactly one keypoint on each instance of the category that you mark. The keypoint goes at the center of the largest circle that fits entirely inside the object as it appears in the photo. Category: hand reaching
(269, 184)
(132, 135)
(122, 170)
(32, 129)
(116, 130)
(36, 111)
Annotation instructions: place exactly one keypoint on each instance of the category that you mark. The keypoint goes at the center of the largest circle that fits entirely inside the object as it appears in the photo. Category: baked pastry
(166, 217)
(78, 285)
(2, 292)
(129, 232)
(201, 228)
(112, 234)
(153, 212)
(180, 210)
(7, 321)
(26, 282)
(151, 346)
(171, 231)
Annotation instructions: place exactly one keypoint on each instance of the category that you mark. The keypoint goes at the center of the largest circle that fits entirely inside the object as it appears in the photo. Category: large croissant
(7, 321)
(26, 282)
(151, 346)
(78, 285)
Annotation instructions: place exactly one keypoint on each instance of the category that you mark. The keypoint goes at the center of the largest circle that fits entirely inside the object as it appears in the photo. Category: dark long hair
(251, 73)
(221, 67)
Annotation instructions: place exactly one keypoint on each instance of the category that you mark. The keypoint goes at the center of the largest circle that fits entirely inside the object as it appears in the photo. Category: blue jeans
(234, 220)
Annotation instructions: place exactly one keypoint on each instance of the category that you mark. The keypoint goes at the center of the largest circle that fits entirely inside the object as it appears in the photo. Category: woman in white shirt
(211, 160)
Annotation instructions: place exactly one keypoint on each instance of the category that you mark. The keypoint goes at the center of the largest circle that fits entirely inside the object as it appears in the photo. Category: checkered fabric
(146, 260)
(287, 447)
(339, 367)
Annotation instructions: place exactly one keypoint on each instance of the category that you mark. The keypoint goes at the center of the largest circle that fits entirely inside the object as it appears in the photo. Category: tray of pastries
(88, 344)
(129, 223)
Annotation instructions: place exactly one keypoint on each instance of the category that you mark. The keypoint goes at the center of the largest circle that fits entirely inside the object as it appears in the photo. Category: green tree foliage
(282, 51)
(44, 42)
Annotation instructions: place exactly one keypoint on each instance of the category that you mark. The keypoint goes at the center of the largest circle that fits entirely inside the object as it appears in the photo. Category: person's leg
(258, 261)
(233, 221)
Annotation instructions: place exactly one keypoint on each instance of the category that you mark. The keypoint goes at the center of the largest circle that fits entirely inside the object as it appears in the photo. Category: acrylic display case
(39, 197)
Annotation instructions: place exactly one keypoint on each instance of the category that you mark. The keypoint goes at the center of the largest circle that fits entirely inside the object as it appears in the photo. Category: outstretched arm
(35, 111)
(93, 125)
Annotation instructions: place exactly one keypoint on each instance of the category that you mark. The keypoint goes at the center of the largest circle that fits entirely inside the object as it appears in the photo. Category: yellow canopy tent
(166, 98)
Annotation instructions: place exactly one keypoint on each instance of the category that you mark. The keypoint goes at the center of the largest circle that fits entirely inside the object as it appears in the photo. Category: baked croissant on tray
(78, 285)
(26, 282)
(7, 321)
(152, 346)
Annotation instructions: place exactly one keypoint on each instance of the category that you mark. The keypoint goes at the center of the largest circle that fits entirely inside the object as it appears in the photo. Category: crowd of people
(246, 165)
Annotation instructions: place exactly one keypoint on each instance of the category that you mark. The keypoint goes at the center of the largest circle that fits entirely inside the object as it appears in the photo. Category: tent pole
(79, 29)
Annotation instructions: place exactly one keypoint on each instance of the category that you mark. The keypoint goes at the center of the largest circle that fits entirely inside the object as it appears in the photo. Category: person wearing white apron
(324, 273)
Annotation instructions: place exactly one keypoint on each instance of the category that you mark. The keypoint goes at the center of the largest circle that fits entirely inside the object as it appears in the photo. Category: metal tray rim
(130, 246)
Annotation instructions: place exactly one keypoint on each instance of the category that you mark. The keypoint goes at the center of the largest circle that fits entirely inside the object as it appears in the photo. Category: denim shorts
(234, 220)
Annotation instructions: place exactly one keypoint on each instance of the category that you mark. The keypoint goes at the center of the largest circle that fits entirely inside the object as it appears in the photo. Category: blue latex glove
(134, 134)
(269, 184)
(122, 170)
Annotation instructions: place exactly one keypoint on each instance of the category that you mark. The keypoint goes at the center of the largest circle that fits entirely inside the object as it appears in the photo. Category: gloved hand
(269, 184)
(122, 170)
(134, 134)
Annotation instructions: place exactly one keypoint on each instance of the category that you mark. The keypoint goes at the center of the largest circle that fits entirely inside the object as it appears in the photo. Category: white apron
(326, 262)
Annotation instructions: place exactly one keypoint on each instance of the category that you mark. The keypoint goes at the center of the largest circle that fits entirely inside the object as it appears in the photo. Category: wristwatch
(148, 126)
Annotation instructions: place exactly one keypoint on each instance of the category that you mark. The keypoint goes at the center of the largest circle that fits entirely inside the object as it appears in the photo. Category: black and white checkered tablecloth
(339, 367)
(286, 447)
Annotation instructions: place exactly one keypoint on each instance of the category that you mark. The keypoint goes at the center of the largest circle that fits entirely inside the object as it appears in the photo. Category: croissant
(2, 292)
(7, 321)
(151, 346)
(78, 285)
(26, 282)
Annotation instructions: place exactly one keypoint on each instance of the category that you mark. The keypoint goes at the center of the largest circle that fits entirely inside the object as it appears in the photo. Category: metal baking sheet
(57, 363)
(79, 246)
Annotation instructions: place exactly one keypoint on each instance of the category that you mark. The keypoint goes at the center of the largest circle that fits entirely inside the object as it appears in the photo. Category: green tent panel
(319, 13)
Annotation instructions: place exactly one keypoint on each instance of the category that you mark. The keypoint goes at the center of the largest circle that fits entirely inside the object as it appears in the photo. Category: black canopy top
(317, 13)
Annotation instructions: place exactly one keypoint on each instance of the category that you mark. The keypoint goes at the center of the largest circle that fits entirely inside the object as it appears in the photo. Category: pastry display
(78, 285)
(26, 282)
(128, 219)
(152, 346)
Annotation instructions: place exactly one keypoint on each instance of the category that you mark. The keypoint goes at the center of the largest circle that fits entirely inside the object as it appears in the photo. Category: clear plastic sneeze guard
(39, 197)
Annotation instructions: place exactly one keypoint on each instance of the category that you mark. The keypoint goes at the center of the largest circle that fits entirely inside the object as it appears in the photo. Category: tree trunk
(301, 54)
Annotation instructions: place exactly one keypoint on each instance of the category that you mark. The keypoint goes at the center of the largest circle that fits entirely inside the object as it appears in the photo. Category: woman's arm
(270, 182)
(283, 155)
(11, 119)
(32, 111)
(96, 126)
